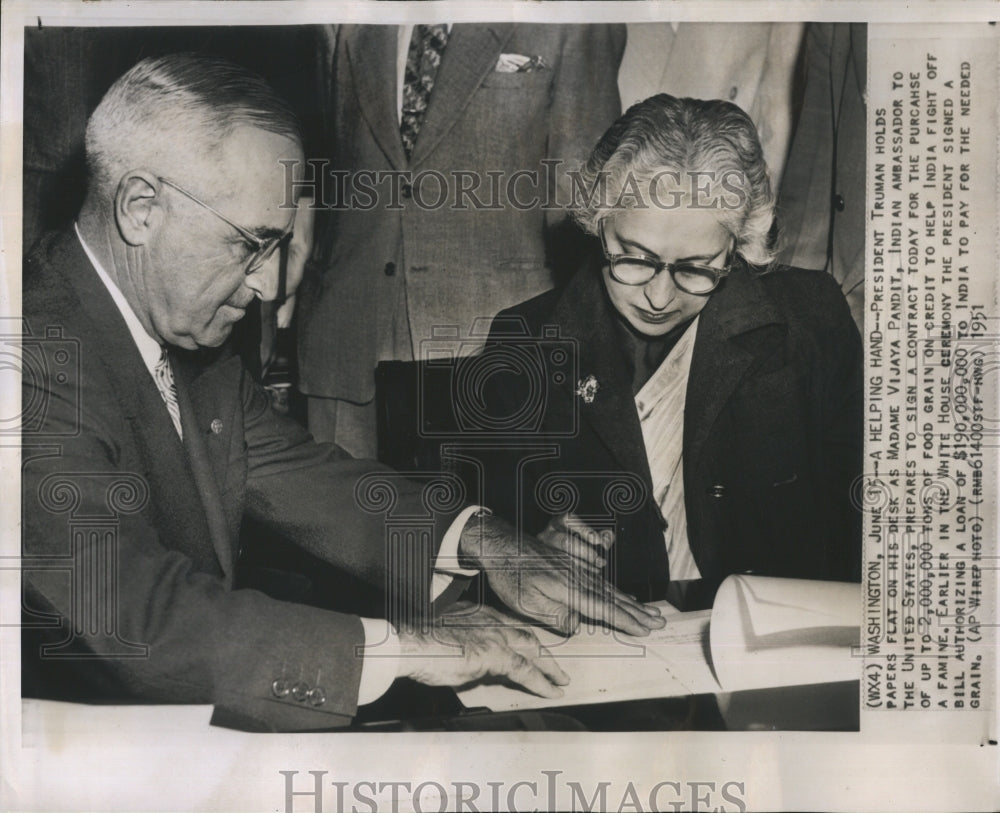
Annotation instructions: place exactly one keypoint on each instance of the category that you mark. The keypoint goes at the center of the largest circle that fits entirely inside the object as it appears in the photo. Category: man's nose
(660, 291)
(263, 281)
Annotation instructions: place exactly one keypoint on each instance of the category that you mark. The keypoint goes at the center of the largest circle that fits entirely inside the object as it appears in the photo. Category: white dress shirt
(660, 404)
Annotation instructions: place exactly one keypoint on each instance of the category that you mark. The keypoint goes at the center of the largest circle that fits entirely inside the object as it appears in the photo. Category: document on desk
(607, 666)
(762, 632)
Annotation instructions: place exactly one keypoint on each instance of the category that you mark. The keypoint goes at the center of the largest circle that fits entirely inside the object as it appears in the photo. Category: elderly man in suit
(146, 443)
(425, 112)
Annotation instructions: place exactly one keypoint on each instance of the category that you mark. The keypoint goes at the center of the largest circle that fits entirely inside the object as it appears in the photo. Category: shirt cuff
(381, 659)
(382, 651)
(446, 565)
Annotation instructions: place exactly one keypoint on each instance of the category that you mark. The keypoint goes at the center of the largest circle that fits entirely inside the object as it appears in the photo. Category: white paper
(605, 666)
(762, 632)
(777, 632)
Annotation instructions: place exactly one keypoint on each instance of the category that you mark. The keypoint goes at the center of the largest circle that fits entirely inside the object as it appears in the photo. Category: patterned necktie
(164, 378)
(422, 62)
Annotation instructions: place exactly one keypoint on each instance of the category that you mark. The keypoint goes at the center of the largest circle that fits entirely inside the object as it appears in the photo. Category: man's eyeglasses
(638, 269)
(262, 249)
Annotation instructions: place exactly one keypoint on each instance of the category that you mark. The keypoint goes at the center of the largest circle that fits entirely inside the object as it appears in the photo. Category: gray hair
(663, 148)
(177, 104)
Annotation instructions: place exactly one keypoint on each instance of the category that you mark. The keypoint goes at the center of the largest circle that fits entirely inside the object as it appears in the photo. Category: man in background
(751, 65)
(415, 265)
(821, 205)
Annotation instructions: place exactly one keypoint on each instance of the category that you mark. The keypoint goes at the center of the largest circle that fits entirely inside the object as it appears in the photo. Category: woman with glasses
(683, 409)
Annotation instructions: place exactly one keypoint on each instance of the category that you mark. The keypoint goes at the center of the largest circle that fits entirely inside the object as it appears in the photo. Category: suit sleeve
(585, 100)
(772, 105)
(510, 464)
(805, 192)
(364, 518)
(113, 614)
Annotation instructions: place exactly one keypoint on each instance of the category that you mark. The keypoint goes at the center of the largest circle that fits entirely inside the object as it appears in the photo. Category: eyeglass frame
(718, 274)
(263, 249)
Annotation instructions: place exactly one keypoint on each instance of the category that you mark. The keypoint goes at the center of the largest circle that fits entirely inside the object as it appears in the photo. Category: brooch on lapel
(587, 388)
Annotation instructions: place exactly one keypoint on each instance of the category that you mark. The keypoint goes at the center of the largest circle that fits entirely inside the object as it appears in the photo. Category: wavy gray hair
(664, 149)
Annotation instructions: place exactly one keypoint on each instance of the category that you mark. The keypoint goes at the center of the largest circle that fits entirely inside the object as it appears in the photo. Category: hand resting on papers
(547, 581)
(468, 643)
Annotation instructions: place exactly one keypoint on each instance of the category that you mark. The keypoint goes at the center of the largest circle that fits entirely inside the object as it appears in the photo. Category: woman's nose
(660, 291)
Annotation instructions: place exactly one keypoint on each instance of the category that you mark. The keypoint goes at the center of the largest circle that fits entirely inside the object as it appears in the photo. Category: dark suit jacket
(772, 430)
(460, 262)
(130, 535)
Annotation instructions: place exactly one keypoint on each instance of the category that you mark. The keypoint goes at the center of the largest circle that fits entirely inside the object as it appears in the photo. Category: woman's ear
(138, 211)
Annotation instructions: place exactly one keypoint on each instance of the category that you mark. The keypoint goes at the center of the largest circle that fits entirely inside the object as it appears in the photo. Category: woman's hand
(541, 581)
(570, 534)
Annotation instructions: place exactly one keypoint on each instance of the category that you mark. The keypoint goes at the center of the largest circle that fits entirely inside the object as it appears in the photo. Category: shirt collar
(149, 348)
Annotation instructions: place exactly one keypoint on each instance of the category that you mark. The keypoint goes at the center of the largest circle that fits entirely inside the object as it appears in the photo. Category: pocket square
(519, 63)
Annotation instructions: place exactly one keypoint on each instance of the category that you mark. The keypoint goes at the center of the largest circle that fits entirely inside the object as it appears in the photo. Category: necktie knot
(164, 378)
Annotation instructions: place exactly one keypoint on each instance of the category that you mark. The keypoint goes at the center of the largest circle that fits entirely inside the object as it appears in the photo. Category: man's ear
(138, 208)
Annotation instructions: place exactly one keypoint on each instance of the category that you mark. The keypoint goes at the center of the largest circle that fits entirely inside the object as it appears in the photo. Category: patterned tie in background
(422, 62)
(164, 378)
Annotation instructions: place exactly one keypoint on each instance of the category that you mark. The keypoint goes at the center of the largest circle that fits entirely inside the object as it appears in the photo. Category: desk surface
(411, 707)
(817, 707)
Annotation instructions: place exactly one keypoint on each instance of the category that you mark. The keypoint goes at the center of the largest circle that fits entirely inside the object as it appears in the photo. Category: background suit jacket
(118, 512)
(749, 64)
(772, 430)
(821, 207)
(457, 265)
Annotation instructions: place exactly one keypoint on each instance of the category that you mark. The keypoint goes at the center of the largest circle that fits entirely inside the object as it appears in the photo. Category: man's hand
(541, 580)
(468, 643)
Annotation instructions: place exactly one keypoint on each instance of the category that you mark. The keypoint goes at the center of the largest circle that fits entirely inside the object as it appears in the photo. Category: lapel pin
(587, 388)
(216, 426)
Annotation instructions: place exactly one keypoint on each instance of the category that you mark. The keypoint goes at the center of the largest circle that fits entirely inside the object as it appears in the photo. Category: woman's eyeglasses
(262, 249)
(638, 269)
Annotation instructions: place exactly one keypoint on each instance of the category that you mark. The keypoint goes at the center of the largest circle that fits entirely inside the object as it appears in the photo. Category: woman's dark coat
(772, 430)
